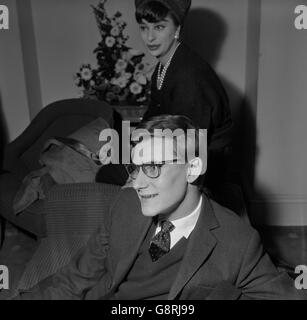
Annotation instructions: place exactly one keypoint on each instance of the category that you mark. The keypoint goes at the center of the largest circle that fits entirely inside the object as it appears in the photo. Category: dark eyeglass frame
(131, 168)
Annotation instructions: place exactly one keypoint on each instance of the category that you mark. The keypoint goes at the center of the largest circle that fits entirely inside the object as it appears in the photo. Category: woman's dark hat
(179, 8)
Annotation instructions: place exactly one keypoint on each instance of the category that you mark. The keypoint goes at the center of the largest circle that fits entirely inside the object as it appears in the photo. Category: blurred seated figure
(57, 148)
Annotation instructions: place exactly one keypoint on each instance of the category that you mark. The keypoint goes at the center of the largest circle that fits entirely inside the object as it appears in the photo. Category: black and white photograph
(153, 150)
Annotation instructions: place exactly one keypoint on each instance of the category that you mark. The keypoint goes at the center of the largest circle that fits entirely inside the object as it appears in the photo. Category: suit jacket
(192, 88)
(224, 259)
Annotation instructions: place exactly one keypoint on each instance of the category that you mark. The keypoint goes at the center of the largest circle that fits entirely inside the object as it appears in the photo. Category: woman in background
(183, 83)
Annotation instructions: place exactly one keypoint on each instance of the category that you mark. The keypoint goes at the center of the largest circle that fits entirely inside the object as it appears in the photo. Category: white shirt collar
(184, 226)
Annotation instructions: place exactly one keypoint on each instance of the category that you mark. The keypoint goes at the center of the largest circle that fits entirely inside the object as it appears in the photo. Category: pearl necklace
(162, 72)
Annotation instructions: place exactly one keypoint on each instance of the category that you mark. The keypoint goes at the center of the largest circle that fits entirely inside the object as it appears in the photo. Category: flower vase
(132, 113)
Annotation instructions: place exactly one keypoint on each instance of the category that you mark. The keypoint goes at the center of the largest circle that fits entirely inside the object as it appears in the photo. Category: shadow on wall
(3, 133)
(205, 32)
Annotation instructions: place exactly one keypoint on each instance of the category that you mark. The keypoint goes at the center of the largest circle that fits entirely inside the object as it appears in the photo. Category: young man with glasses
(165, 239)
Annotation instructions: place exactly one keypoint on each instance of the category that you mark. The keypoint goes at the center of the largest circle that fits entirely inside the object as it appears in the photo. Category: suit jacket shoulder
(229, 221)
(244, 261)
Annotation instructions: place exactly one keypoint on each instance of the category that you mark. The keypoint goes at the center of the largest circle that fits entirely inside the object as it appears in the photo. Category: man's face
(161, 195)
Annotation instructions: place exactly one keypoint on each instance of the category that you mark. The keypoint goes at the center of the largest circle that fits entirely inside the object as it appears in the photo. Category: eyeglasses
(152, 170)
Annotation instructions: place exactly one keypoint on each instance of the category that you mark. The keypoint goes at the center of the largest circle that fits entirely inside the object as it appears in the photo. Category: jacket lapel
(200, 245)
(130, 245)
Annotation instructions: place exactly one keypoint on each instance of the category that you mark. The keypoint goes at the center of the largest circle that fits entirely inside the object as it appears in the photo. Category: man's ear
(195, 167)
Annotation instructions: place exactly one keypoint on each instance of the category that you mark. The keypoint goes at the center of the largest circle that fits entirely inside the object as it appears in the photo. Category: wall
(14, 113)
(29, 54)
(66, 34)
(281, 175)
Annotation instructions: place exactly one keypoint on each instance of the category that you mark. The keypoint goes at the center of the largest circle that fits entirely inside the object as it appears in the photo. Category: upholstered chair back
(60, 118)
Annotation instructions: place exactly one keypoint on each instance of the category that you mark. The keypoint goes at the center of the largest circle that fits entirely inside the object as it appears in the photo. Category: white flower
(92, 82)
(135, 88)
(121, 81)
(115, 31)
(110, 41)
(86, 73)
(120, 65)
(126, 75)
(114, 81)
(140, 78)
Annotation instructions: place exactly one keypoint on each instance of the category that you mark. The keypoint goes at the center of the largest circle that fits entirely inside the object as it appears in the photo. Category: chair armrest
(31, 219)
(67, 208)
(72, 214)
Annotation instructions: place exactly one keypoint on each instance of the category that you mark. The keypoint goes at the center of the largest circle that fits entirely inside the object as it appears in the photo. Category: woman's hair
(153, 12)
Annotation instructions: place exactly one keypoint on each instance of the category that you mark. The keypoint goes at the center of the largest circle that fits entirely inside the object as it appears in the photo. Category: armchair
(69, 225)
(21, 156)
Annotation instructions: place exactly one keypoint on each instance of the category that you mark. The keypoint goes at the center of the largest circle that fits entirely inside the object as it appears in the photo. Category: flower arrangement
(121, 78)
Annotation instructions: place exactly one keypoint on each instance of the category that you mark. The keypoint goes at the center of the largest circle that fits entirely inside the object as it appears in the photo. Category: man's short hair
(193, 144)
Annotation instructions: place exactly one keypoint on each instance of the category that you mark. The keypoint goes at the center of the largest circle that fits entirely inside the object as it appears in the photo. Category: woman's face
(159, 37)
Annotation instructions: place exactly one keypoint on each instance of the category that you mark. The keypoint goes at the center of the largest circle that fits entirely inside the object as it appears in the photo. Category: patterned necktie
(161, 242)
